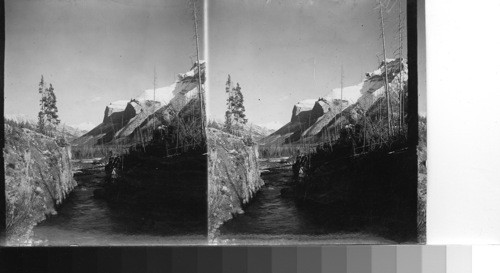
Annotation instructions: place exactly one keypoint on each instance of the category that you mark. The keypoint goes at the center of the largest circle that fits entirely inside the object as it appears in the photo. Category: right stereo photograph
(316, 126)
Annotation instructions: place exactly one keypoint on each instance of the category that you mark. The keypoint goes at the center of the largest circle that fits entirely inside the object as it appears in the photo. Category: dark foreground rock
(176, 182)
(38, 177)
(168, 192)
(233, 177)
(375, 192)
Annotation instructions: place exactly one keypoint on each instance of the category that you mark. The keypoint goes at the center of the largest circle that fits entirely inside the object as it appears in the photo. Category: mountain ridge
(314, 119)
(130, 121)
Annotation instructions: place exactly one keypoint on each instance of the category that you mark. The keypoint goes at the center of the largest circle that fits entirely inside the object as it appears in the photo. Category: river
(270, 218)
(83, 219)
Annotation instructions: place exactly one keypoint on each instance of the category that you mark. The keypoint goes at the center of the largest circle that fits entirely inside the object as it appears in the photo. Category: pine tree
(228, 123)
(41, 116)
(48, 116)
(235, 113)
(52, 112)
(239, 108)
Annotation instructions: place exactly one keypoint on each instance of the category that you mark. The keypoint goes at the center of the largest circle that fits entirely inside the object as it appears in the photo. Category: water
(272, 218)
(84, 220)
(268, 218)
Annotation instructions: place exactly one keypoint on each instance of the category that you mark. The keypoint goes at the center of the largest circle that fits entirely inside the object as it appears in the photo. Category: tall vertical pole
(364, 131)
(154, 83)
(401, 91)
(154, 98)
(341, 81)
(341, 93)
(387, 96)
(200, 94)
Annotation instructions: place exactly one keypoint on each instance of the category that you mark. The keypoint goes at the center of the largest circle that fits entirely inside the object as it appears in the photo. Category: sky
(98, 51)
(93, 52)
(282, 52)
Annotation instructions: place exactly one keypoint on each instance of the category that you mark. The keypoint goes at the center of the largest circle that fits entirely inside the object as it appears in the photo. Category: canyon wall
(38, 177)
(233, 176)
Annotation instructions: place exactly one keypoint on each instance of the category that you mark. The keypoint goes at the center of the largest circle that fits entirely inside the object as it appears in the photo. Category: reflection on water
(269, 213)
(270, 216)
(84, 220)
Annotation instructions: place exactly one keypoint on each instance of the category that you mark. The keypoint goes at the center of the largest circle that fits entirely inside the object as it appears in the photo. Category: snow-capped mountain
(70, 132)
(257, 132)
(124, 120)
(311, 118)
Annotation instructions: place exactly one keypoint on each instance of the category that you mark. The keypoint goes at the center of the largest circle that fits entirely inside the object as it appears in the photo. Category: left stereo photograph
(105, 139)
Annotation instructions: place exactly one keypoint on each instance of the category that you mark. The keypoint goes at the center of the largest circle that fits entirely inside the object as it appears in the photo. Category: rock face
(302, 110)
(375, 191)
(38, 176)
(314, 120)
(233, 176)
(126, 121)
(325, 112)
(422, 180)
(115, 109)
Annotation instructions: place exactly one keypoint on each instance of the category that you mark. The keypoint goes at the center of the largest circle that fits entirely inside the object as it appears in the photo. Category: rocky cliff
(130, 121)
(422, 180)
(38, 177)
(233, 176)
(375, 191)
(315, 119)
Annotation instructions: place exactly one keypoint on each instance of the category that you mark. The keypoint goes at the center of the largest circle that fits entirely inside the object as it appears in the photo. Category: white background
(463, 109)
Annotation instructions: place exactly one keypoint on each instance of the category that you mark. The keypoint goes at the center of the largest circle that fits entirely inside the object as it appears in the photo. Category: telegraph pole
(200, 94)
(401, 91)
(154, 98)
(387, 95)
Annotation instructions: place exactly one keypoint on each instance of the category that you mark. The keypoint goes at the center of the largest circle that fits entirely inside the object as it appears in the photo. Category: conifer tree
(48, 116)
(228, 122)
(235, 113)
(41, 116)
(52, 112)
(239, 108)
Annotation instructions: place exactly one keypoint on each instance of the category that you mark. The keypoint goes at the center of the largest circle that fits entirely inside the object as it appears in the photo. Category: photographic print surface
(119, 157)
(313, 123)
(312, 128)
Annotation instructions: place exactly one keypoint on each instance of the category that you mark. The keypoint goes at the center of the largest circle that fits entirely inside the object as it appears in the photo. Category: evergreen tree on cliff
(235, 113)
(239, 108)
(47, 117)
(228, 122)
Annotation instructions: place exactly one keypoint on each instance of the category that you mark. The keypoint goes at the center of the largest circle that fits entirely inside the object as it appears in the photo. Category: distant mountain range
(70, 132)
(257, 132)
